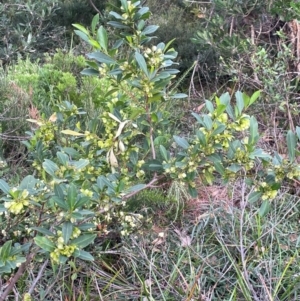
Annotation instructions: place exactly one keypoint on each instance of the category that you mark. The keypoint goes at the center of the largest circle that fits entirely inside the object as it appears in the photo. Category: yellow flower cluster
(20, 200)
(154, 56)
(294, 173)
(242, 124)
(268, 192)
(62, 248)
(27, 297)
(87, 192)
(130, 222)
(46, 132)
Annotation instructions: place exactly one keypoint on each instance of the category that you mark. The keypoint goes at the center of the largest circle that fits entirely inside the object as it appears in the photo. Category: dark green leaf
(60, 202)
(259, 153)
(118, 25)
(254, 196)
(67, 230)
(89, 72)
(239, 101)
(254, 97)
(234, 167)
(207, 122)
(83, 255)
(28, 182)
(83, 240)
(291, 144)
(58, 191)
(42, 230)
(209, 106)
(220, 129)
(219, 168)
(201, 137)
(298, 131)
(133, 157)
(116, 15)
(83, 36)
(81, 163)
(164, 152)
(81, 28)
(136, 187)
(4, 187)
(192, 191)
(142, 63)
(63, 158)
(71, 196)
(95, 21)
(181, 142)
(101, 57)
(44, 243)
(264, 208)
(253, 131)
(102, 38)
(50, 167)
(5, 250)
(150, 29)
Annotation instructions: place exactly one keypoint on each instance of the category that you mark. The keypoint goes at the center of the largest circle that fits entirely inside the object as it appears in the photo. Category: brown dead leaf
(185, 240)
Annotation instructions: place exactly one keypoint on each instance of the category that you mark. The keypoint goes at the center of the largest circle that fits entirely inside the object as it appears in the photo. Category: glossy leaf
(137, 187)
(102, 38)
(291, 145)
(264, 208)
(4, 186)
(101, 57)
(50, 167)
(142, 63)
(5, 250)
(84, 240)
(150, 29)
(83, 255)
(71, 196)
(44, 243)
(254, 196)
(164, 153)
(42, 230)
(181, 142)
(254, 97)
(209, 106)
(63, 158)
(95, 21)
(67, 230)
(239, 101)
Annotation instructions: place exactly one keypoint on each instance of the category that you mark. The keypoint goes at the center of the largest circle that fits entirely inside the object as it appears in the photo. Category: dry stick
(129, 195)
(38, 277)
(242, 249)
(192, 86)
(16, 277)
(274, 129)
(292, 126)
(96, 9)
(231, 26)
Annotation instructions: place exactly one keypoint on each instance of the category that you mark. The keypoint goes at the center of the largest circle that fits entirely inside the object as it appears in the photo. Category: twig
(129, 195)
(38, 277)
(16, 277)
(95, 8)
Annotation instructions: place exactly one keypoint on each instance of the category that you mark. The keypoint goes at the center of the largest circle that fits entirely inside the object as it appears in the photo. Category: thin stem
(151, 129)
(38, 277)
(16, 277)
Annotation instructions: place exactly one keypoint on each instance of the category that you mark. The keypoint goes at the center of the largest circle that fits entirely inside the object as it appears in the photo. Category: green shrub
(87, 168)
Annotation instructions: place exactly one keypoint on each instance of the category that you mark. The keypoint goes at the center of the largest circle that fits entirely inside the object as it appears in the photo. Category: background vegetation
(136, 185)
